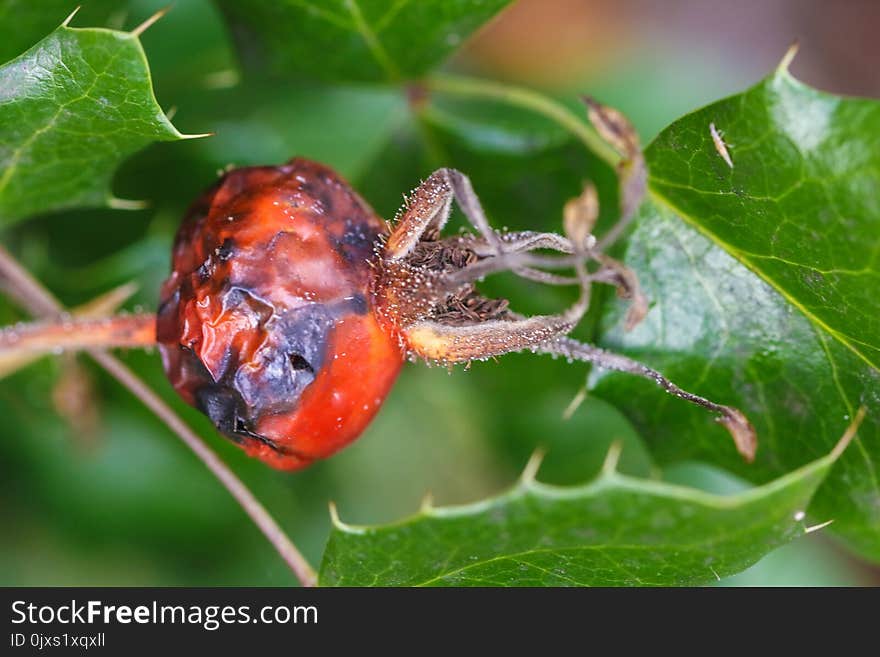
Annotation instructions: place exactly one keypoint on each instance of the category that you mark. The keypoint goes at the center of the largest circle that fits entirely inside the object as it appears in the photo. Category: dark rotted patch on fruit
(206, 270)
(221, 254)
(355, 238)
(225, 408)
(271, 381)
(246, 319)
(322, 193)
(294, 350)
(357, 304)
(226, 250)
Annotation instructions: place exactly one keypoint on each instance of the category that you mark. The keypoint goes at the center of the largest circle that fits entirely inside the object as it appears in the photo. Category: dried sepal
(741, 430)
(614, 128)
(579, 216)
(628, 287)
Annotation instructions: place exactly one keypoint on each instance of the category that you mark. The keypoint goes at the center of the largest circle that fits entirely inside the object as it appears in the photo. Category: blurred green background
(111, 497)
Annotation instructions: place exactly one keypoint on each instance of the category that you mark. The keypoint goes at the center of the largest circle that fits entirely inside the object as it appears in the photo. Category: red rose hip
(266, 323)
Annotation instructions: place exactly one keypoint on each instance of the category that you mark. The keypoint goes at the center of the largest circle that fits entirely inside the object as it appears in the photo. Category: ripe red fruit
(267, 322)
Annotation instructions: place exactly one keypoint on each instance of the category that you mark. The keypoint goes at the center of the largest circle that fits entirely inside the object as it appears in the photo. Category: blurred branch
(102, 306)
(71, 333)
(37, 300)
(25, 289)
(456, 85)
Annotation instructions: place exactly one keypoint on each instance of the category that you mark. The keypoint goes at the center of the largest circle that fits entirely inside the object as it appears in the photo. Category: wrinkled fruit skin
(266, 323)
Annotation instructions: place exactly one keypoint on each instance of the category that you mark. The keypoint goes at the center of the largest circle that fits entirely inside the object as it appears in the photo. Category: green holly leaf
(72, 108)
(764, 280)
(615, 530)
(363, 40)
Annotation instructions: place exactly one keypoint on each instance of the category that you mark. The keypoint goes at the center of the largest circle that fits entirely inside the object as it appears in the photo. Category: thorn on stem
(334, 514)
(67, 20)
(815, 528)
(140, 29)
(575, 403)
(199, 135)
(106, 304)
(534, 464)
(127, 204)
(788, 56)
(612, 458)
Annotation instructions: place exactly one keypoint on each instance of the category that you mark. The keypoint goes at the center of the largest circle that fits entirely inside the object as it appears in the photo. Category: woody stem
(80, 334)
